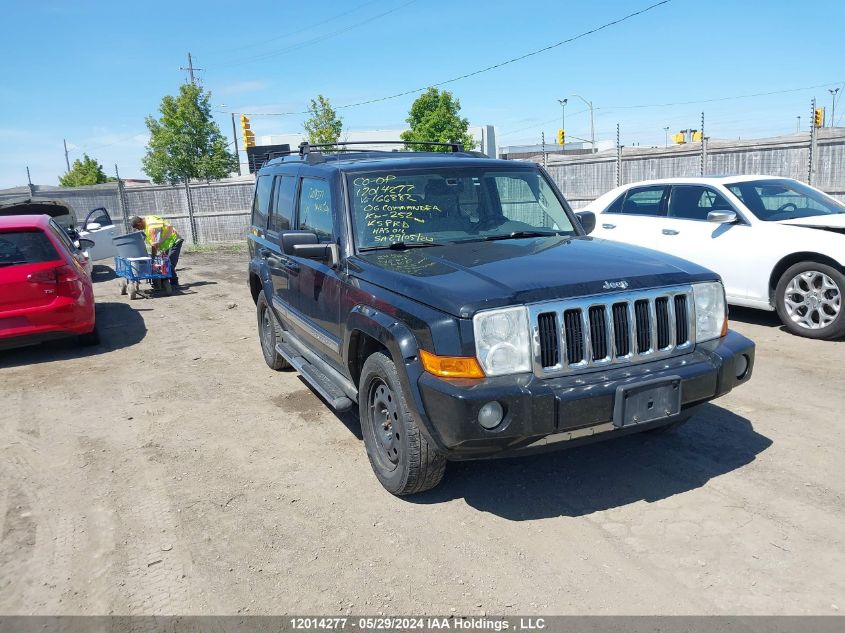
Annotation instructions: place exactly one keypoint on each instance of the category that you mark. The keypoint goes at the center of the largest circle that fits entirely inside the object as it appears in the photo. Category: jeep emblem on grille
(615, 285)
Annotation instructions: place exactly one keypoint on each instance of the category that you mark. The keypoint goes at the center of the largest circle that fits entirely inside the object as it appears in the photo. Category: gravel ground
(169, 471)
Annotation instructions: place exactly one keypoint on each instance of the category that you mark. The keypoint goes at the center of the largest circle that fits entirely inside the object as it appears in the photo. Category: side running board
(316, 377)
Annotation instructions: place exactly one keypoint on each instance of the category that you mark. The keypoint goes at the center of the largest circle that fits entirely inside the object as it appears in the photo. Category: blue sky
(91, 71)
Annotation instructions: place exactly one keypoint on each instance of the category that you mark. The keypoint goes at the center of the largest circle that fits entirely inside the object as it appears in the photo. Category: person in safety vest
(162, 238)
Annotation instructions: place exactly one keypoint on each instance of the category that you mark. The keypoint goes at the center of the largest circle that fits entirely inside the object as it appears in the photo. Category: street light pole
(666, 131)
(832, 92)
(798, 128)
(592, 122)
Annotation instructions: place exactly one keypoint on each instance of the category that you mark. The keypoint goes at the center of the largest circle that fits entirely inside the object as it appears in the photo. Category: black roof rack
(313, 154)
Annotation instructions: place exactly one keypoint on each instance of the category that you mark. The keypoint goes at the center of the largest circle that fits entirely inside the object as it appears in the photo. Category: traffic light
(247, 134)
(818, 117)
(679, 138)
(696, 136)
(561, 136)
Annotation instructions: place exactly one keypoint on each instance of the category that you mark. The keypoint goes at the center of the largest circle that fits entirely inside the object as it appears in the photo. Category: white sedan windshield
(774, 200)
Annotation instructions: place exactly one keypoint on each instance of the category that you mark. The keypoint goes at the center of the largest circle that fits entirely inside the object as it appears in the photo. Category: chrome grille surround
(583, 305)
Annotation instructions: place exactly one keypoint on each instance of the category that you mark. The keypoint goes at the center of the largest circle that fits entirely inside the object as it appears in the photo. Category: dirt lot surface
(169, 471)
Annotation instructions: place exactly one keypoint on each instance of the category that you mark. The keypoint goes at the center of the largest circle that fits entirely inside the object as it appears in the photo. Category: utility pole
(191, 70)
(811, 167)
(67, 161)
(798, 127)
(618, 158)
(703, 147)
(832, 92)
(666, 132)
(543, 141)
(235, 137)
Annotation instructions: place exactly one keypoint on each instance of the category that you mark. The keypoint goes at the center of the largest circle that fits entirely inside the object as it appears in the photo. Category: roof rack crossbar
(305, 147)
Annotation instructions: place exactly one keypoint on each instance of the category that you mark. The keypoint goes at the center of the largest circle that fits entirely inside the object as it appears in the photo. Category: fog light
(490, 415)
(741, 367)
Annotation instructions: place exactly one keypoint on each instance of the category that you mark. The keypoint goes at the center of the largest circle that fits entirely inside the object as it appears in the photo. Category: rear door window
(26, 247)
(694, 202)
(283, 204)
(644, 201)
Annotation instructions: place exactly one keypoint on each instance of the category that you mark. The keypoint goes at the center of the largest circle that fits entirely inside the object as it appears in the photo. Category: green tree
(185, 142)
(435, 116)
(84, 172)
(323, 126)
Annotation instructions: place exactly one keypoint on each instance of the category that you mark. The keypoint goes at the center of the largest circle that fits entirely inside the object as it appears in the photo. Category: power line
(534, 125)
(698, 101)
(488, 68)
(302, 30)
(314, 40)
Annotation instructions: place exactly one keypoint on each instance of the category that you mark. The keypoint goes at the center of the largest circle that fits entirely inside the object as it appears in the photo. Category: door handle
(670, 232)
(608, 226)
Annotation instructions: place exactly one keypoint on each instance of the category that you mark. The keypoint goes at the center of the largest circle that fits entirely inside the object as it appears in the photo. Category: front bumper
(554, 410)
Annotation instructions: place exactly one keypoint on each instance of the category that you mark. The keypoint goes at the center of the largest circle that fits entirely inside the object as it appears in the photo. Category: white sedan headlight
(710, 312)
(502, 341)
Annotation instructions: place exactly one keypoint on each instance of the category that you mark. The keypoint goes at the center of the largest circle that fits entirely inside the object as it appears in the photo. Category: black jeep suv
(459, 301)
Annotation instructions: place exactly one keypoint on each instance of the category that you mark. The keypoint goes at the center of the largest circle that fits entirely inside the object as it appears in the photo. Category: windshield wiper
(400, 246)
(515, 235)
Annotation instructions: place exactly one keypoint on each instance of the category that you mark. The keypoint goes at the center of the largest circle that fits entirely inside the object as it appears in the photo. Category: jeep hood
(461, 279)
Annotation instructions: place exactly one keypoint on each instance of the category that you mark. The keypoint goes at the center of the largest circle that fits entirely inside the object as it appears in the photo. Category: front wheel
(269, 334)
(809, 300)
(399, 454)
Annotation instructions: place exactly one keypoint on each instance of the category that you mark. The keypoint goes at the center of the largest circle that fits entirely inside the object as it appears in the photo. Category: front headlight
(710, 312)
(502, 341)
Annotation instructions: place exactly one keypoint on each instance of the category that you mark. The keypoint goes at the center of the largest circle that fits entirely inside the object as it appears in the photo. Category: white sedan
(777, 243)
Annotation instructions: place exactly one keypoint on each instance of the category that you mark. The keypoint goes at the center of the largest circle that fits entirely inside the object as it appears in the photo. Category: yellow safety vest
(160, 231)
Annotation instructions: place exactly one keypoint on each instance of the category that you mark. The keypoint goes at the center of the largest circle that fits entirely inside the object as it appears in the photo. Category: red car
(45, 287)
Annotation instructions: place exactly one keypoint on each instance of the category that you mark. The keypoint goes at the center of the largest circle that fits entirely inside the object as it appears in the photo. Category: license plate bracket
(647, 401)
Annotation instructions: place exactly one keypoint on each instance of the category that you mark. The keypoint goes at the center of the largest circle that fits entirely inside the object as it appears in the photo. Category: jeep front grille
(609, 330)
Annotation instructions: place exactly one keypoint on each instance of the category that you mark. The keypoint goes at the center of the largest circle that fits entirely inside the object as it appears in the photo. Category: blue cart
(131, 271)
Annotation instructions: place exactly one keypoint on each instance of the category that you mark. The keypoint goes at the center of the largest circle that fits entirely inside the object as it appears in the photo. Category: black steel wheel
(401, 457)
(269, 333)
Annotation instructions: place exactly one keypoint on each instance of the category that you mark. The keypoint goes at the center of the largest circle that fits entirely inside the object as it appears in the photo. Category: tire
(399, 454)
(269, 333)
(167, 287)
(809, 298)
(90, 339)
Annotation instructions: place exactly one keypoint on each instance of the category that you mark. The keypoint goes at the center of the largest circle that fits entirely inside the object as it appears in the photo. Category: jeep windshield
(774, 200)
(412, 207)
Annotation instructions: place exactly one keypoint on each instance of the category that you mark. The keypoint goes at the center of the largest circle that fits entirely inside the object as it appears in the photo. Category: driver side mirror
(93, 226)
(722, 217)
(587, 220)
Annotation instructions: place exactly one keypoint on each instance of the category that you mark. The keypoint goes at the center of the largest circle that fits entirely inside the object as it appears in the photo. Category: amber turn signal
(451, 366)
(725, 327)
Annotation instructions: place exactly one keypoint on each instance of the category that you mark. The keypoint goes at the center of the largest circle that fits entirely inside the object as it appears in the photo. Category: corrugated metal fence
(202, 213)
(219, 211)
(585, 177)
